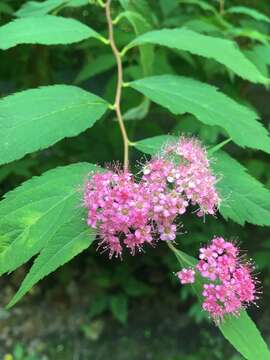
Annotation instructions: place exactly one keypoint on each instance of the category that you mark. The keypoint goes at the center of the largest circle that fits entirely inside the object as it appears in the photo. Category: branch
(117, 102)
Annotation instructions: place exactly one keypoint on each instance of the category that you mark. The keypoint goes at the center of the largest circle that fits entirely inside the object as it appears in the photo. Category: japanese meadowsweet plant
(123, 209)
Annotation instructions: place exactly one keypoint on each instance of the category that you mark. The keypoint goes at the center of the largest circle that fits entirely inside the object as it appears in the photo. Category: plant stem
(219, 146)
(117, 102)
(170, 245)
(100, 3)
(176, 253)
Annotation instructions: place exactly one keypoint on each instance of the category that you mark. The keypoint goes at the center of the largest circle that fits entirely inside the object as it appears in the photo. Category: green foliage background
(115, 287)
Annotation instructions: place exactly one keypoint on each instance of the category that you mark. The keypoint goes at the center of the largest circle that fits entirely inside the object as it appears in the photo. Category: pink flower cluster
(129, 213)
(183, 171)
(230, 286)
(119, 208)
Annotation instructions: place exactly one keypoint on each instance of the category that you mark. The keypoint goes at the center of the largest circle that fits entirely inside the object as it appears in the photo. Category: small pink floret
(186, 276)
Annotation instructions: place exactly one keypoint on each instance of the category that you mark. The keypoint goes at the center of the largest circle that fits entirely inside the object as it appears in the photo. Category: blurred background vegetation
(96, 308)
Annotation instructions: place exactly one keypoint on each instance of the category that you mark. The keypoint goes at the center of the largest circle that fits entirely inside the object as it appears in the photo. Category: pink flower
(231, 286)
(186, 276)
(130, 214)
(167, 232)
(207, 270)
(208, 253)
(218, 244)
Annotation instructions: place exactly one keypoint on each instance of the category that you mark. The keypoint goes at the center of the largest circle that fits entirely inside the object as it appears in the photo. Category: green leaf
(19, 352)
(260, 56)
(99, 304)
(99, 65)
(240, 330)
(249, 33)
(45, 30)
(141, 26)
(34, 8)
(35, 119)
(39, 215)
(154, 144)
(181, 94)
(141, 7)
(124, 4)
(119, 307)
(219, 146)
(138, 112)
(77, 3)
(202, 4)
(69, 240)
(146, 51)
(243, 334)
(244, 10)
(202, 25)
(138, 22)
(167, 6)
(224, 51)
(244, 198)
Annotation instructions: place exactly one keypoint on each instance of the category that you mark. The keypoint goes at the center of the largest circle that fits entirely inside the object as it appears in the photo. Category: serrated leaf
(35, 119)
(244, 198)
(99, 65)
(44, 30)
(32, 214)
(224, 51)
(69, 240)
(181, 94)
(240, 330)
(244, 10)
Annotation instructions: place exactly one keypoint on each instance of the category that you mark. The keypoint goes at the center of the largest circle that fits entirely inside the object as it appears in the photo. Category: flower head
(229, 285)
(129, 214)
(120, 211)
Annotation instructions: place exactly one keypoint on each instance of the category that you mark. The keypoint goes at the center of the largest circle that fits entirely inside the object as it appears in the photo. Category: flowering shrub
(132, 213)
(44, 217)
